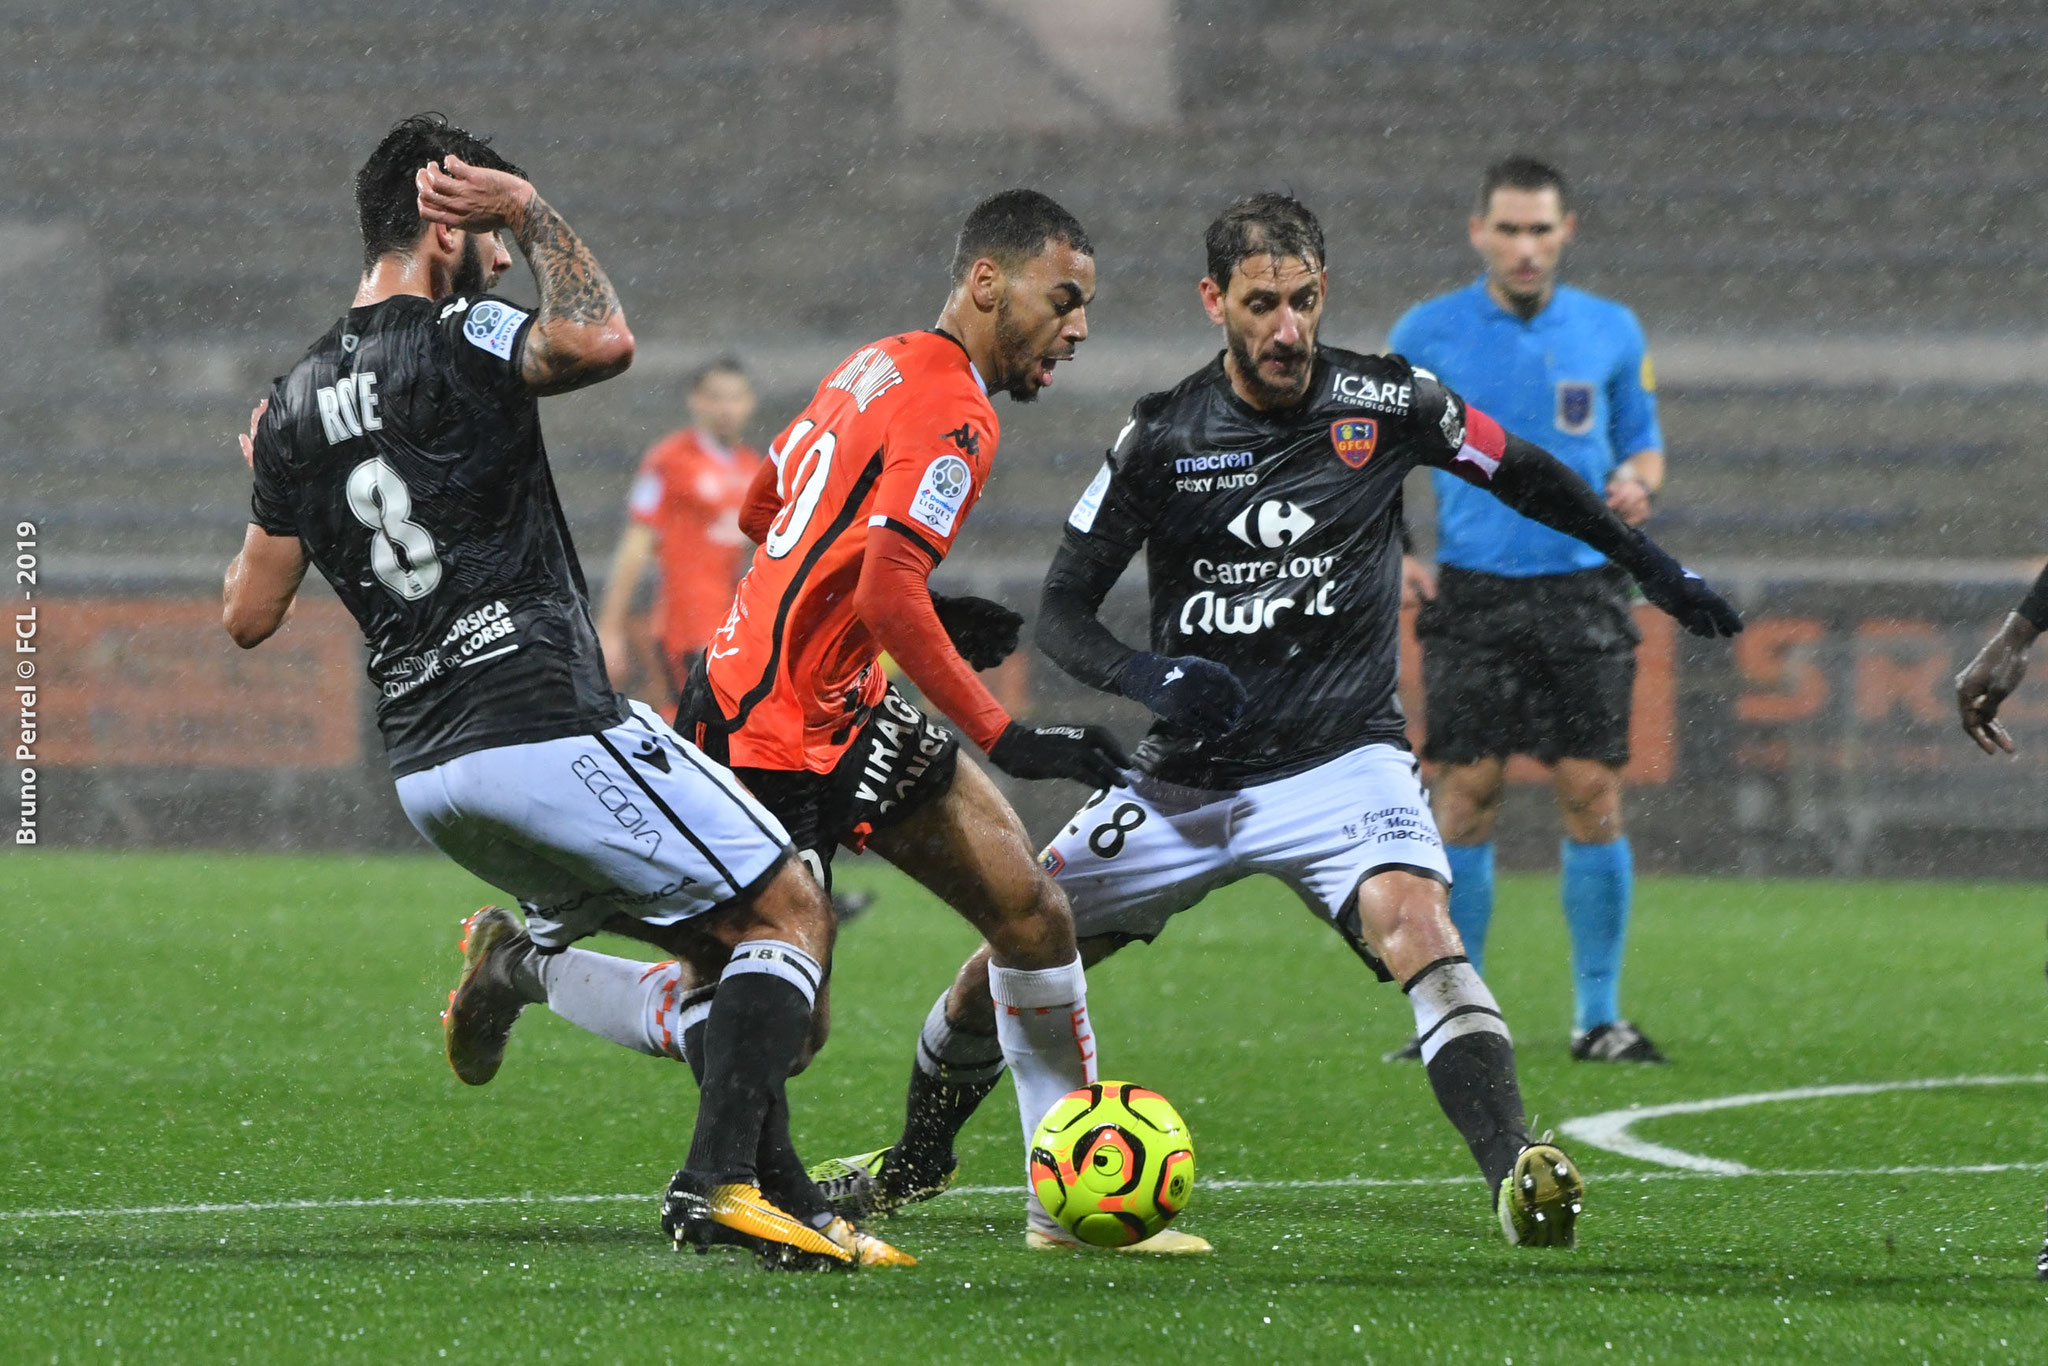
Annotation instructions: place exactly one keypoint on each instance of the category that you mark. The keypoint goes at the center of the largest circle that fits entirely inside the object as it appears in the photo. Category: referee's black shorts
(1544, 666)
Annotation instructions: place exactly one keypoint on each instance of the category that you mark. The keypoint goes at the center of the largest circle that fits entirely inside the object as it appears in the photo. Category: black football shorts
(900, 761)
(1543, 666)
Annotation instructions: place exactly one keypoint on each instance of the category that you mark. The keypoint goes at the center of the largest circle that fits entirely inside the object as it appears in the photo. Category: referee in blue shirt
(1529, 642)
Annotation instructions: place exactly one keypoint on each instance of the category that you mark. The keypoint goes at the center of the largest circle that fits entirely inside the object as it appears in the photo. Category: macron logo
(1175, 673)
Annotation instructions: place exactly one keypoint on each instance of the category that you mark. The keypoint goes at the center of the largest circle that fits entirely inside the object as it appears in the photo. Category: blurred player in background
(402, 456)
(683, 517)
(1265, 490)
(1529, 641)
(1983, 686)
(862, 499)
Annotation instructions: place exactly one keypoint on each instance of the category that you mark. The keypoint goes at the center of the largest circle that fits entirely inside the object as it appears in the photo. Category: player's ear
(985, 284)
(1475, 231)
(1569, 226)
(1212, 299)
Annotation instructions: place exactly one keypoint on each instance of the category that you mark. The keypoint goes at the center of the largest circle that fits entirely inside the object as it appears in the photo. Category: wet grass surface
(216, 1029)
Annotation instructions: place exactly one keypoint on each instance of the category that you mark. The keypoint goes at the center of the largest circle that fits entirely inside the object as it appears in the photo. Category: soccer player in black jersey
(402, 457)
(1265, 491)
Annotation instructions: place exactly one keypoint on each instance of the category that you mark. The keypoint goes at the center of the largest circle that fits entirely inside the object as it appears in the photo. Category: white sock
(1449, 999)
(631, 1003)
(1042, 1023)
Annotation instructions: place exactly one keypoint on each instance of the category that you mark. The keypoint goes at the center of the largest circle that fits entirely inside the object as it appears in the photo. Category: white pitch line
(1226, 1183)
(1610, 1130)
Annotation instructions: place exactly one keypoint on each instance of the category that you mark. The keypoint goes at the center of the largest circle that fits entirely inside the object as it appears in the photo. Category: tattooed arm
(579, 336)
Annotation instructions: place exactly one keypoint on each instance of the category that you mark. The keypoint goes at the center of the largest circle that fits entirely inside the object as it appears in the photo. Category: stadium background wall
(1827, 213)
(1825, 741)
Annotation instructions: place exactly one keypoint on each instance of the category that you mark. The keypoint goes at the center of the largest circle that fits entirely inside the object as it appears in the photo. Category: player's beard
(469, 276)
(1254, 379)
(1014, 353)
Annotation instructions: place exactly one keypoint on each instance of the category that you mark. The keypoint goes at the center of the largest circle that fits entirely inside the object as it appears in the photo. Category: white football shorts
(1144, 851)
(633, 820)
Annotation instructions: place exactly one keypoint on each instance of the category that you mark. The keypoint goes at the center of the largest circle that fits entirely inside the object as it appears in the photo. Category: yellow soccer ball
(1113, 1163)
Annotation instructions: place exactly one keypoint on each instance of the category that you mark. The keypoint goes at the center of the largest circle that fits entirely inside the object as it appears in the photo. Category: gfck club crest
(1355, 438)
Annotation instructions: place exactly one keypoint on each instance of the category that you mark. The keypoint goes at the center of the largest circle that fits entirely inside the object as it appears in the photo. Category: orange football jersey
(689, 492)
(900, 435)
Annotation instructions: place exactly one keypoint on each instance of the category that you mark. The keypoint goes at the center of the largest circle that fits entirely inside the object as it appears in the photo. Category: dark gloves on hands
(1087, 754)
(1186, 691)
(1682, 593)
(984, 632)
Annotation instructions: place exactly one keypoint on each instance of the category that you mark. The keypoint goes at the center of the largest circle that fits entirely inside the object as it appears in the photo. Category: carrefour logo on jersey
(1271, 524)
(1385, 395)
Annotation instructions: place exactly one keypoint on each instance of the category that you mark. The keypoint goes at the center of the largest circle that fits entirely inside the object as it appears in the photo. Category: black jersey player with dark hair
(1265, 492)
(402, 457)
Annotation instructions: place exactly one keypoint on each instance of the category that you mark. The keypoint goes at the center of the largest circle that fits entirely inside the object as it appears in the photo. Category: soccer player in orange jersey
(683, 519)
(863, 496)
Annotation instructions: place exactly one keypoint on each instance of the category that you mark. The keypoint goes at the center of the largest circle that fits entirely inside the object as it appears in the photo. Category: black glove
(1186, 691)
(1089, 755)
(984, 632)
(1682, 593)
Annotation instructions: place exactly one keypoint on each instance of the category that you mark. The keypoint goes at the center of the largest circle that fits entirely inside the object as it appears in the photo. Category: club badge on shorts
(1354, 439)
(1574, 407)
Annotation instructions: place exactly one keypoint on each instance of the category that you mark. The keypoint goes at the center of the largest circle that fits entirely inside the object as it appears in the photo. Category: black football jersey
(405, 453)
(1272, 545)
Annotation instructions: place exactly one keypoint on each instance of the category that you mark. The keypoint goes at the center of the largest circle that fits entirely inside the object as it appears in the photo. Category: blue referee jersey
(1575, 380)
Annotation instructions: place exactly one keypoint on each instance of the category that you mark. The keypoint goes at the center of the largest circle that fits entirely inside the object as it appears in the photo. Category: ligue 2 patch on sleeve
(1355, 439)
(493, 327)
(942, 494)
(1082, 518)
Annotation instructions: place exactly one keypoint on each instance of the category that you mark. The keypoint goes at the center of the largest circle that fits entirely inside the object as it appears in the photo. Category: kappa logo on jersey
(966, 438)
(1574, 408)
(941, 494)
(867, 376)
(1271, 524)
(493, 327)
(1082, 518)
(1385, 395)
(1355, 439)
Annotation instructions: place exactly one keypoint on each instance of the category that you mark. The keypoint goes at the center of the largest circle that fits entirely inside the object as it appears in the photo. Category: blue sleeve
(1408, 339)
(1632, 396)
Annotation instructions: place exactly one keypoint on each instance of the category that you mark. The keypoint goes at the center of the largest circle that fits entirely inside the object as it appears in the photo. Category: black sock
(757, 1028)
(776, 1165)
(1473, 1076)
(933, 1117)
(953, 1072)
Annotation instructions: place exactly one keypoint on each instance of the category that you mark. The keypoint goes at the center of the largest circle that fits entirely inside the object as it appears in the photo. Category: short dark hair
(725, 364)
(1013, 227)
(1520, 172)
(387, 202)
(1269, 224)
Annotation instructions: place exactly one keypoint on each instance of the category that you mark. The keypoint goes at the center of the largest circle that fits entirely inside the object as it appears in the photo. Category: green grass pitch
(250, 1030)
